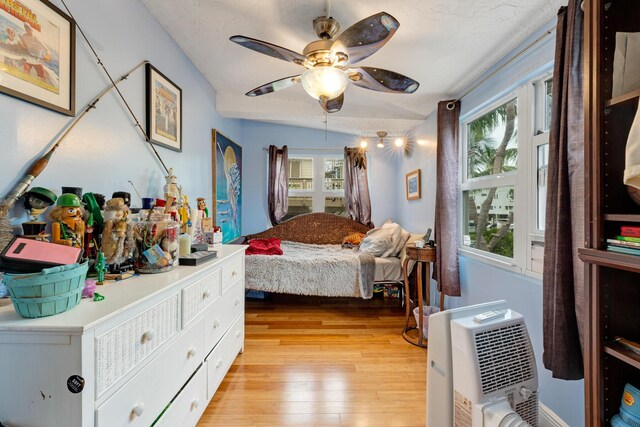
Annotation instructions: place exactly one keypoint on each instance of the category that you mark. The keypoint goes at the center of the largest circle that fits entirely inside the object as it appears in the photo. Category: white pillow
(376, 241)
(396, 236)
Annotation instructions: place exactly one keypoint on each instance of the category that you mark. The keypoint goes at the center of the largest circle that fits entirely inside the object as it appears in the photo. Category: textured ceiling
(443, 44)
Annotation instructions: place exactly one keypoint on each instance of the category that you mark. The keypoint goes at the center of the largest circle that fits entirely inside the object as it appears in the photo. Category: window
(316, 184)
(504, 179)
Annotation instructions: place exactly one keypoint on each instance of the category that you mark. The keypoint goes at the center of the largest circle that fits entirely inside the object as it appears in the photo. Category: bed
(314, 262)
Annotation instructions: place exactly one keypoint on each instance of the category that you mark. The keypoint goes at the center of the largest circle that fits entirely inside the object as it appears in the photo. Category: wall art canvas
(227, 186)
(413, 185)
(37, 54)
(164, 110)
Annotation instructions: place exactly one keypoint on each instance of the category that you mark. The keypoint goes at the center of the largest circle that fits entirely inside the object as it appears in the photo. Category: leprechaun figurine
(68, 227)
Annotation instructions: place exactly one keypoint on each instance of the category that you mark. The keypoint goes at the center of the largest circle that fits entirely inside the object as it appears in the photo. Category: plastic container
(156, 245)
(426, 312)
(53, 291)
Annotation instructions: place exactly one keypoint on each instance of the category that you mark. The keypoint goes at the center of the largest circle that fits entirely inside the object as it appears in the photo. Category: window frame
(318, 193)
(524, 179)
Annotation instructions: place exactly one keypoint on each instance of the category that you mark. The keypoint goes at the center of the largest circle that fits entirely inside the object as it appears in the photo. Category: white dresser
(157, 342)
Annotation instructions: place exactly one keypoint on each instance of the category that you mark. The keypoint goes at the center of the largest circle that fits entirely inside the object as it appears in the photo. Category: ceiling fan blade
(274, 86)
(382, 80)
(364, 38)
(272, 50)
(332, 105)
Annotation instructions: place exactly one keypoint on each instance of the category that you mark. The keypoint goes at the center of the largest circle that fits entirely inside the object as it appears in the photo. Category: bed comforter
(304, 269)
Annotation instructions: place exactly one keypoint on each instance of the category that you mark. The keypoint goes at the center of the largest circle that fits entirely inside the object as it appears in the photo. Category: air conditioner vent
(528, 410)
(505, 357)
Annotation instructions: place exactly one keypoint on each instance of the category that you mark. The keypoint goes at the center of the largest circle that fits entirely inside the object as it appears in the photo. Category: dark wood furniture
(422, 256)
(612, 280)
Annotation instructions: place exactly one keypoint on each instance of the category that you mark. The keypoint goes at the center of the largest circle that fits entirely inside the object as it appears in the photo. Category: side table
(422, 256)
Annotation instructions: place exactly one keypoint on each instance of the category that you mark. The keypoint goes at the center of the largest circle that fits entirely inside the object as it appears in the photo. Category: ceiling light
(324, 82)
(399, 142)
(380, 144)
(381, 134)
(363, 143)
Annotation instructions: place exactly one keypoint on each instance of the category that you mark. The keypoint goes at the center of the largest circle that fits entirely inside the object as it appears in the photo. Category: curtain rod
(309, 149)
(451, 104)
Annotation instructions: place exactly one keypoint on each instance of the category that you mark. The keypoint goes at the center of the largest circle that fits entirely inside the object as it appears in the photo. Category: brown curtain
(446, 270)
(278, 187)
(563, 278)
(356, 186)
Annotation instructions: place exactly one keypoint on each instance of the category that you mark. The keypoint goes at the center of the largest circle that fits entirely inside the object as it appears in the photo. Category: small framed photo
(413, 185)
(164, 110)
(37, 54)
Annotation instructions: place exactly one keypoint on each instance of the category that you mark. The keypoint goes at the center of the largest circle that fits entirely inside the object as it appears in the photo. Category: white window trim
(317, 194)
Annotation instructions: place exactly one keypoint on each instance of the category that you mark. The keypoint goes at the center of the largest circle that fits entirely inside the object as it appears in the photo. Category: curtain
(356, 186)
(278, 187)
(446, 270)
(563, 277)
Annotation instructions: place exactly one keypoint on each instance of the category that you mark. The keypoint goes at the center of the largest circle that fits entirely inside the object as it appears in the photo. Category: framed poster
(164, 110)
(37, 54)
(413, 185)
(227, 186)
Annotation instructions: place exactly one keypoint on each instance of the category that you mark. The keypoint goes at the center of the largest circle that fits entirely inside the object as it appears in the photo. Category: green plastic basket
(53, 291)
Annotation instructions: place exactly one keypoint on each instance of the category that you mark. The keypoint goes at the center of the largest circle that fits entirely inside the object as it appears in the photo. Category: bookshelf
(612, 280)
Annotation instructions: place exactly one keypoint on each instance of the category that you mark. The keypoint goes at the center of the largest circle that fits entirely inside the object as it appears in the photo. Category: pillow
(399, 239)
(377, 241)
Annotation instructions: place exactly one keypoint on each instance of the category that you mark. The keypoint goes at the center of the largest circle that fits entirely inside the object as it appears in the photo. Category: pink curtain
(278, 186)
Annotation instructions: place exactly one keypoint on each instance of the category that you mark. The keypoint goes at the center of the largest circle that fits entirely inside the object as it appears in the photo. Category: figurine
(202, 206)
(36, 201)
(90, 250)
(68, 227)
(184, 213)
(101, 267)
(117, 236)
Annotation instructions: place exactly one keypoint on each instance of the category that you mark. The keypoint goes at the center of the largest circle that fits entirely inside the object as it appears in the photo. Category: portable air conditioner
(481, 368)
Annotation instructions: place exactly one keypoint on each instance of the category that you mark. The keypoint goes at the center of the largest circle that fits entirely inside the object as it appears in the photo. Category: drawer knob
(206, 294)
(137, 410)
(148, 336)
(237, 301)
(219, 363)
(216, 323)
(191, 353)
(194, 404)
(237, 334)
(234, 273)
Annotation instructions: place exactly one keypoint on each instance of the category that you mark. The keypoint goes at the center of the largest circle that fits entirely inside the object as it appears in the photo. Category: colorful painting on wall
(227, 185)
(37, 54)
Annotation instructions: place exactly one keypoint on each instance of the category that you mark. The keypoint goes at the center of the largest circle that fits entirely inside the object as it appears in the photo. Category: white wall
(105, 151)
(257, 135)
(481, 282)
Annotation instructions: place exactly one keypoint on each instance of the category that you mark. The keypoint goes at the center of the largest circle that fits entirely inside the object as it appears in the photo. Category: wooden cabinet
(157, 344)
(612, 280)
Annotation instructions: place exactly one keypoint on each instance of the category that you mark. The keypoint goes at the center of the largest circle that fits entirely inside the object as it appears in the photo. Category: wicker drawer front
(222, 313)
(232, 271)
(197, 297)
(125, 346)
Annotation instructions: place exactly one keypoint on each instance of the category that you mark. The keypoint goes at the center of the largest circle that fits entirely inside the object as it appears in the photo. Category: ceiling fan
(329, 61)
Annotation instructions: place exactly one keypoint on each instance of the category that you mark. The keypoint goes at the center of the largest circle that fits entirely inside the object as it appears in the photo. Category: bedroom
(105, 153)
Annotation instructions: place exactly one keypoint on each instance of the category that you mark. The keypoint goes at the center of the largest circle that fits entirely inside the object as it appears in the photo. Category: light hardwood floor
(322, 362)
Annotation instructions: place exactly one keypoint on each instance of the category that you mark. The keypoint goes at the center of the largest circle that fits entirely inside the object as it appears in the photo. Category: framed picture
(413, 185)
(164, 110)
(227, 186)
(37, 54)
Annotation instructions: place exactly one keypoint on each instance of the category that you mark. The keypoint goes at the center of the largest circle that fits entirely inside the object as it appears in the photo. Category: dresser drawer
(223, 355)
(197, 297)
(232, 271)
(141, 400)
(188, 406)
(122, 348)
(222, 313)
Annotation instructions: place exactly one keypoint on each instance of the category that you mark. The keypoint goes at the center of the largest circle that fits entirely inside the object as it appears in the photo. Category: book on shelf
(630, 231)
(628, 239)
(623, 243)
(624, 250)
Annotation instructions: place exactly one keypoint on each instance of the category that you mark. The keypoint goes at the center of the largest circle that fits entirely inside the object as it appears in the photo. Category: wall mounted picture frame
(413, 184)
(227, 185)
(37, 54)
(164, 110)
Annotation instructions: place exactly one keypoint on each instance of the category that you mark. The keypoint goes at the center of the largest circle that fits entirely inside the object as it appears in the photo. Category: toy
(117, 241)
(629, 415)
(124, 196)
(101, 267)
(90, 250)
(184, 212)
(202, 206)
(36, 201)
(68, 227)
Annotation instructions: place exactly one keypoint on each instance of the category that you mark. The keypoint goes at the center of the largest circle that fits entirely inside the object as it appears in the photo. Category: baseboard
(548, 418)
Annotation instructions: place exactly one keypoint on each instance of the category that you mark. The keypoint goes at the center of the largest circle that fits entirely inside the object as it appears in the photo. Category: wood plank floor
(322, 362)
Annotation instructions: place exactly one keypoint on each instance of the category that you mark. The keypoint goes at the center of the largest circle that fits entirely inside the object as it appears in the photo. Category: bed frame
(314, 228)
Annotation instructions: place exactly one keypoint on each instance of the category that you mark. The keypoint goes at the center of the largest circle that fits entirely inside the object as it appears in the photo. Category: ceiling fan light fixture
(380, 144)
(323, 82)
